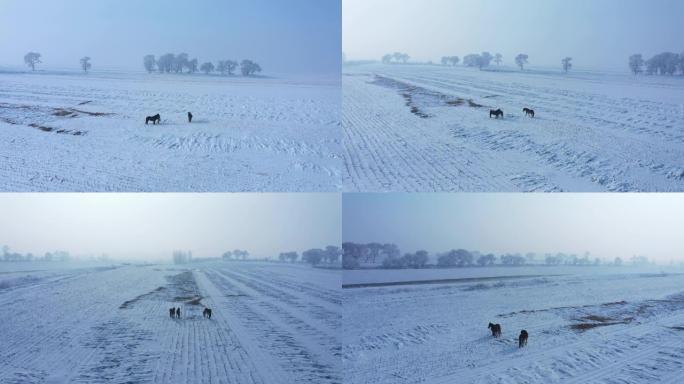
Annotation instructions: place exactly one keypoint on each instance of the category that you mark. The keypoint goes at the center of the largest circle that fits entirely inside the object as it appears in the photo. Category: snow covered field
(75, 132)
(271, 324)
(427, 128)
(607, 327)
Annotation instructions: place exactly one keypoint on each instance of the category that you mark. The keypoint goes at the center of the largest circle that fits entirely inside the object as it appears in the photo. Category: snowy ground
(427, 128)
(271, 324)
(75, 132)
(584, 328)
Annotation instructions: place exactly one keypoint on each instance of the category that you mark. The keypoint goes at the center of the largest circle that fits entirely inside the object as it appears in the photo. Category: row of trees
(236, 254)
(484, 59)
(169, 63)
(8, 255)
(315, 256)
(666, 63)
(354, 255)
(396, 57)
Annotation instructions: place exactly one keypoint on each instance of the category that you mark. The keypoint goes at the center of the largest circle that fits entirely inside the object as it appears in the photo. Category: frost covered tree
(224, 66)
(485, 260)
(471, 60)
(207, 68)
(249, 68)
(192, 65)
(567, 64)
(165, 62)
(149, 62)
(521, 60)
(450, 60)
(31, 59)
(288, 256)
(313, 256)
(180, 62)
(455, 258)
(666, 63)
(400, 57)
(332, 254)
(636, 64)
(485, 60)
(85, 64)
(498, 59)
(351, 255)
(387, 59)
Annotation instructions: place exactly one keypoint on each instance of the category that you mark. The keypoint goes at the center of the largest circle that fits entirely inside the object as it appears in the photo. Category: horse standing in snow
(172, 312)
(154, 119)
(189, 117)
(496, 113)
(522, 339)
(496, 329)
(207, 313)
(178, 313)
(528, 112)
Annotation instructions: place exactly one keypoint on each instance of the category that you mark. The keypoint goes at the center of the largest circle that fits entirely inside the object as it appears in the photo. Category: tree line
(315, 256)
(7, 255)
(170, 63)
(396, 57)
(666, 63)
(389, 256)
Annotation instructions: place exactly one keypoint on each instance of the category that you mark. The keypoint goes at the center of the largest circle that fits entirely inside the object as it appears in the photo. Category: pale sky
(293, 36)
(607, 225)
(596, 33)
(151, 226)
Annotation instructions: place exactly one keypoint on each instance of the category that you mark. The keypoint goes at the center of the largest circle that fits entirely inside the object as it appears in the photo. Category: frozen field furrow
(87, 133)
(604, 328)
(112, 325)
(592, 132)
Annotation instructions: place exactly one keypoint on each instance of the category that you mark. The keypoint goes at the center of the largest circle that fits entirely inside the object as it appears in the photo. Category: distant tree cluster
(396, 57)
(330, 255)
(450, 60)
(666, 63)
(182, 257)
(288, 257)
(237, 254)
(8, 256)
(389, 256)
(181, 63)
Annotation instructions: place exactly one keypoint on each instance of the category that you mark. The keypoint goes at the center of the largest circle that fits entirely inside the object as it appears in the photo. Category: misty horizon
(300, 37)
(605, 226)
(152, 226)
(545, 30)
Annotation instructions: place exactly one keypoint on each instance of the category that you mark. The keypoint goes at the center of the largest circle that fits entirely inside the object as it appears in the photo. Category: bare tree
(498, 59)
(31, 59)
(85, 64)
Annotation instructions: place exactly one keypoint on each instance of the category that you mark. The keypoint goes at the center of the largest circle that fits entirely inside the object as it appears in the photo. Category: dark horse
(496, 329)
(528, 112)
(496, 113)
(189, 117)
(207, 312)
(172, 312)
(154, 119)
(522, 339)
(178, 313)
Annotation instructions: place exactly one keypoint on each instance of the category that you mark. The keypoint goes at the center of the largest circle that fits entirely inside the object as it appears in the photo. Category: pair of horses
(496, 332)
(174, 313)
(156, 119)
(498, 113)
(207, 313)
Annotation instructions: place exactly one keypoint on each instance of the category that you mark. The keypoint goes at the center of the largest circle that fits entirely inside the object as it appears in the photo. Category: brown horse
(207, 313)
(528, 112)
(496, 329)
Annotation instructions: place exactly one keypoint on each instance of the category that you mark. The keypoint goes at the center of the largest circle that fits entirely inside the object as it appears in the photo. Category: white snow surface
(63, 131)
(271, 323)
(604, 327)
(419, 128)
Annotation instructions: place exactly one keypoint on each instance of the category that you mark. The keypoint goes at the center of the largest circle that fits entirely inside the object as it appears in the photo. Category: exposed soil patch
(417, 99)
(158, 292)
